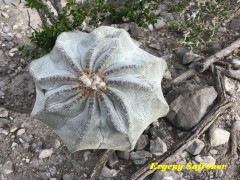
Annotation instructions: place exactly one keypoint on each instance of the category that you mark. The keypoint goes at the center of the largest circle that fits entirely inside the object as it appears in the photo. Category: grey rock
(155, 45)
(180, 52)
(6, 29)
(188, 104)
(218, 136)
(3, 122)
(70, 176)
(44, 175)
(4, 131)
(205, 159)
(140, 155)
(150, 27)
(218, 173)
(57, 144)
(2, 94)
(222, 29)
(52, 170)
(13, 129)
(139, 161)
(135, 30)
(107, 173)
(160, 24)
(191, 57)
(169, 17)
(158, 147)
(86, 155)
(3, 113)
(157, 132)
(142, 142)
(113, 160)
(8, 167)
(45, 153)
(229, 85)
(196, 147)
(20, 132)
(166, 175)
(213, 151)
(123, 154)
(168, 75)
(9, 45)
(19, 35)
(8, 36)
(4, 14)
(12, 2)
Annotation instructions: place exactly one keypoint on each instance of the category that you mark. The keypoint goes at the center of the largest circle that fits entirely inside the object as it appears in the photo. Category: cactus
(98, 90)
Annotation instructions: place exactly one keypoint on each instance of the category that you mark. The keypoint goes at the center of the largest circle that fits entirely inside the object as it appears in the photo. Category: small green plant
(198, 20)
(93, 12)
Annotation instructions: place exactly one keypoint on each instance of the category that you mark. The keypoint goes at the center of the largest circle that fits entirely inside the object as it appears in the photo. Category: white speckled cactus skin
(98, 90)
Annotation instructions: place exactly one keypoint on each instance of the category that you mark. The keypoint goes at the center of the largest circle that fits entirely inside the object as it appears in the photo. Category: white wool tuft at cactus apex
(98, 90)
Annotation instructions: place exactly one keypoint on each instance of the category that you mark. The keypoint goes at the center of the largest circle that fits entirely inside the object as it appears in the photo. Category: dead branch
(100, 164)
(29, 22)
(189, 73)
(234, 131)
(218, 56)
(201, 67)
(235, 74)
(209, 119)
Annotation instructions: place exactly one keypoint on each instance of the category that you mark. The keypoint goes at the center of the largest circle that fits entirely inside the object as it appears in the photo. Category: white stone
(213, 151)
(20, 132)
(6, 29)
(45, 153)
(158, 147)
(5, 15)
(14, 144)
(4, 131)
(57, 144)
(159, 24)
(229, 85)
(19, 36)
(205, 159)
(98, 90)
(218, 136)
(107, 173)
(3, 113)
(8, 167)
(13, 129)
(196, 147)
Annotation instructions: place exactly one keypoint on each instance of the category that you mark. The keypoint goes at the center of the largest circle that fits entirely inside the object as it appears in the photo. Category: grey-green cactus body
(98, 90)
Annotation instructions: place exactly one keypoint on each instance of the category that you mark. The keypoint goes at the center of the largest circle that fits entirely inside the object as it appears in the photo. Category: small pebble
(45, 153)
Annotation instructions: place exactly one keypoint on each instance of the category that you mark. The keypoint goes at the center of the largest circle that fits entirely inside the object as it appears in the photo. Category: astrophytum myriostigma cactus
(98, 90)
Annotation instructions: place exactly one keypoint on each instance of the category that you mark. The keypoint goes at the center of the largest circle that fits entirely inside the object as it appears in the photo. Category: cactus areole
(98, 90)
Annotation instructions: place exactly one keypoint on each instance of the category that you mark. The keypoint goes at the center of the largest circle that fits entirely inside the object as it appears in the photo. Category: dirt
(19, 154)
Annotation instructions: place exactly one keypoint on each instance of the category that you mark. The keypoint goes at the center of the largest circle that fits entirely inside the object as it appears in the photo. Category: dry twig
(234, 132)
(219, 55)
(101, 162)
(202, 66)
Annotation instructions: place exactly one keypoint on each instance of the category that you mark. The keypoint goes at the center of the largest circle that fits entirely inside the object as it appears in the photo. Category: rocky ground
(30, 150)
